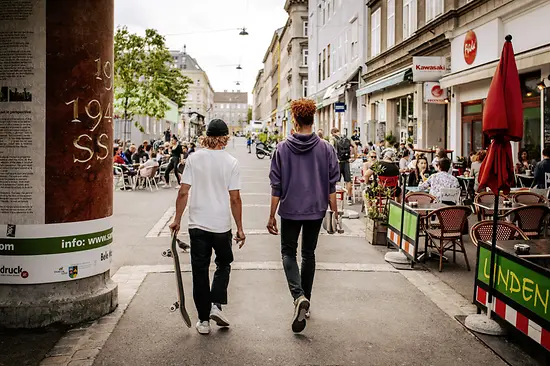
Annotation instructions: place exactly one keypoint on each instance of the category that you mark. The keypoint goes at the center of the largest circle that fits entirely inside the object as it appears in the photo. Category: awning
(329, 91)
(396, 78)
(524, 60)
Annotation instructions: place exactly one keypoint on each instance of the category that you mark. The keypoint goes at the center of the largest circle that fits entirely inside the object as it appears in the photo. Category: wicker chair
(487, 198)
(528, 198)
(422, 198)
(531, 220)
(452, 221)
(483, 231)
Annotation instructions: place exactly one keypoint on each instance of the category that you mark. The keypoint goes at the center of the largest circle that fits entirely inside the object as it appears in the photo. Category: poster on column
(56, 133)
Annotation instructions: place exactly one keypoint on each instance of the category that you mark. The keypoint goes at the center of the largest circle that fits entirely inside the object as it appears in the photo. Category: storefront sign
(428, 68)
(339, 107)
(434, 93)
(470, 47)
(522, 285)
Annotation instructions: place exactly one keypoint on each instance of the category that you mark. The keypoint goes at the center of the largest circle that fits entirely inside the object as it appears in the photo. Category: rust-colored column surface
(79, 110)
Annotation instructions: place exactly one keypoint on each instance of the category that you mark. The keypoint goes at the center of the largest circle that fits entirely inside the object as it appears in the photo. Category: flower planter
(376, 232)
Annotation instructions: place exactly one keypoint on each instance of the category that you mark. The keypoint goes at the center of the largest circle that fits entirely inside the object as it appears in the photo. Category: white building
(476, 46)
(232, 108)
(336, 30)
(200, 98)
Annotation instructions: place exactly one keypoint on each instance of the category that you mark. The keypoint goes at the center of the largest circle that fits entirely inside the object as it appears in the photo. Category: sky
(218, 53)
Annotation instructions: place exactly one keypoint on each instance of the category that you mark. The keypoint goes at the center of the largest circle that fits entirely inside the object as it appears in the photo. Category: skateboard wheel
(175, 306)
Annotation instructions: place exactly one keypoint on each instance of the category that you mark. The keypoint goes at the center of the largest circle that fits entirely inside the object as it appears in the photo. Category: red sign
(470, 47)
(437, 91)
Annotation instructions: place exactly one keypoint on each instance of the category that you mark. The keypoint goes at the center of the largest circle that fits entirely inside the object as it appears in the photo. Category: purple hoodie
(304, 172)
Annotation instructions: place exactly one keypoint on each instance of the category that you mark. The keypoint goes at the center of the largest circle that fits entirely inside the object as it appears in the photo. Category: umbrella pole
(493, 255)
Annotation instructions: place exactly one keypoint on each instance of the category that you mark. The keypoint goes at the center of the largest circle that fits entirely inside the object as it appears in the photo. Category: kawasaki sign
(428, 68)
(61, 252)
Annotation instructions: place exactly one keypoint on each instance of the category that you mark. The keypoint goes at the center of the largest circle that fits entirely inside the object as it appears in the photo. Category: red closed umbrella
(502, 122)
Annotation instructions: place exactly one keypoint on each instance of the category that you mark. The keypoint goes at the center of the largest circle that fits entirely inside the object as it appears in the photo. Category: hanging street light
(243, 32)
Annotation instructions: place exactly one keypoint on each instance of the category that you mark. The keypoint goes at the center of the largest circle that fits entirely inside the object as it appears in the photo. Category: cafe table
(527, 178)
(426, 209)
(501, 207)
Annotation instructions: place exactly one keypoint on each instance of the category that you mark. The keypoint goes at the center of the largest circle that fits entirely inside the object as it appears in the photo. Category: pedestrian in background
(304, 172)
(175, 157)
(345, 148)
(215, 177)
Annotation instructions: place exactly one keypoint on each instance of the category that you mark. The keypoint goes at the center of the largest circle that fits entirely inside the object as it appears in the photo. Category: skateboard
(333, 225)
(180, 304)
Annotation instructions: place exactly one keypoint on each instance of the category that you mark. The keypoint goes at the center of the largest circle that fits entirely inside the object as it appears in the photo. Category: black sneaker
(301, 307)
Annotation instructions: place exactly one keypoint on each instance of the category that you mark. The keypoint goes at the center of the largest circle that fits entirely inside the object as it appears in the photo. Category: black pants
(299, 283)
(173, 164)
(202, 243)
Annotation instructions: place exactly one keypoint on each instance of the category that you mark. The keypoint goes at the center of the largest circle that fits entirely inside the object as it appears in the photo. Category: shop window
(406, 126)
(531, 114)
(473, 138)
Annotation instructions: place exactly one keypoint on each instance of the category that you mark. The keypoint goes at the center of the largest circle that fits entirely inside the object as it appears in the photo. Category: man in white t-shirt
(214, 176)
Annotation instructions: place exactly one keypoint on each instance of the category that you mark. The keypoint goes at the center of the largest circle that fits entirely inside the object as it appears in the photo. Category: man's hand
(175, 227)
(240, 238)
(272, 226)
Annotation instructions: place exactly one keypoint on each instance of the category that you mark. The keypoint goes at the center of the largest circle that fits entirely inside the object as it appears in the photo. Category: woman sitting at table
(524, 163)
(477, 159)
(117, 158)
(389, 170)
(421, 172)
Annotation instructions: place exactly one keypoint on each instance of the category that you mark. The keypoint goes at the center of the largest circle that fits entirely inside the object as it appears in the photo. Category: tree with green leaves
(144, 75)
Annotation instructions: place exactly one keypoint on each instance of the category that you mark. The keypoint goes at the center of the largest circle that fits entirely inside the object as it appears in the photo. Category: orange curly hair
(303, 111)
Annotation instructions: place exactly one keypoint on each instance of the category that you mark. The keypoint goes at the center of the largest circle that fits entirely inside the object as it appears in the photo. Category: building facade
(200, 99)
(284, 76)
(336, 31)
(476, 45)
(232, 107)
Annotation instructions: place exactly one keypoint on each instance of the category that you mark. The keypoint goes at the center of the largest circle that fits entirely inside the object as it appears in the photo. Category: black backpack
(343, 147)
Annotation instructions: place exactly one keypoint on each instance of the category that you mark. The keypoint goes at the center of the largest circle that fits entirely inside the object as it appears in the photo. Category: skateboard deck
(333, 225)
(180, 304)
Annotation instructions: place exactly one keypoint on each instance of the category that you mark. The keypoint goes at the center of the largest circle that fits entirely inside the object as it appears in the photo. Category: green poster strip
(410, 221)
(57, 245)
(523, 285)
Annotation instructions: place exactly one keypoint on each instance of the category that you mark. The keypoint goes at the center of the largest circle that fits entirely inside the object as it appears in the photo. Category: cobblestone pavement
(357, 295)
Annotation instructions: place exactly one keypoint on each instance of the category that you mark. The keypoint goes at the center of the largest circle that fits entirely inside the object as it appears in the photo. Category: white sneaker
(203, 327)
(218, 316)
(301, 306)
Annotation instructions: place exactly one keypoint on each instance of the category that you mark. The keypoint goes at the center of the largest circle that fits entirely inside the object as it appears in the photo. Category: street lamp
(243, 32)
(542, 84)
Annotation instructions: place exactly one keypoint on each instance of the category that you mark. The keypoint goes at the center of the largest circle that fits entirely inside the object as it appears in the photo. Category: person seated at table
(140, 156)
(541, 169)
(404, 161)
(117, 158)
(420, 173)
(477, 159)
(129, 153)
(388, 170)
(524, 163)
(146, 168)
(441, 179)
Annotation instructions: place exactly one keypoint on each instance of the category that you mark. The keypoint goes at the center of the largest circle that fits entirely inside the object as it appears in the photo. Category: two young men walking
(303, 176)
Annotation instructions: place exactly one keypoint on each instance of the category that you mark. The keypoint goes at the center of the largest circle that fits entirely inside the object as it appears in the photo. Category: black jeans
(202, 243)
(299, 283)
(173, 164)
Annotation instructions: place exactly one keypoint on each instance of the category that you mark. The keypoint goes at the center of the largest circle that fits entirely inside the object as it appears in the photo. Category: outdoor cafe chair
(422, 198)
(487, 198)
(483, 231)
(531, 219)
(118, 177)
(149, 178)
(528, 198)
(452, 221)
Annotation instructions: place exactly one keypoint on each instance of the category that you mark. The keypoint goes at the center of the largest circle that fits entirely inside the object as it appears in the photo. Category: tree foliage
(144, 74)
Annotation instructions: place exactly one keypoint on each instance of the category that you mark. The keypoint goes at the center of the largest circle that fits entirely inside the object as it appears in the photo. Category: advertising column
(56, 184)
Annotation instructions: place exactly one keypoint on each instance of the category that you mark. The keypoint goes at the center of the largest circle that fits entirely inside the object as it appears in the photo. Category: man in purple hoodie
(304, 172)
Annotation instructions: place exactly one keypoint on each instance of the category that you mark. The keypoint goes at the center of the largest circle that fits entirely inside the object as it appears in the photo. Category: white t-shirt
(211, 175)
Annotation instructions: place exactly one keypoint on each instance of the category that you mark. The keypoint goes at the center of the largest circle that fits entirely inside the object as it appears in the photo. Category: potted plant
(390, 139)
(377, 199)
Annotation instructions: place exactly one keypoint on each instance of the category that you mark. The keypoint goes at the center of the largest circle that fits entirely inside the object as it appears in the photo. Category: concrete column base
(35, 306)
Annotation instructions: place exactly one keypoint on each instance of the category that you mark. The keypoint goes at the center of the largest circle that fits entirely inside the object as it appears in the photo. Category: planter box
(376, 232)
